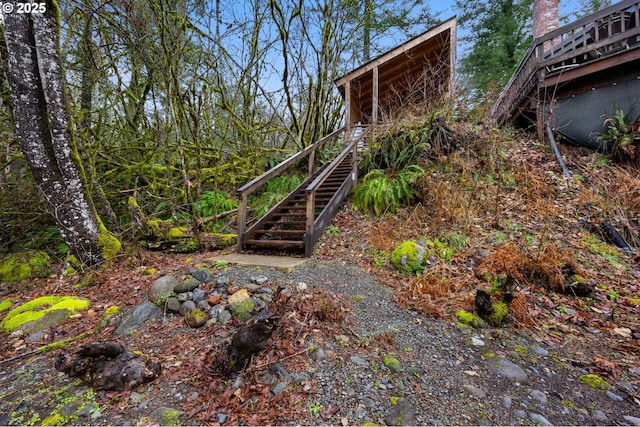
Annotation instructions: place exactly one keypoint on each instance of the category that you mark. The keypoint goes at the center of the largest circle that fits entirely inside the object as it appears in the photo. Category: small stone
(184, 296)
(265, 291)
(519, 413)
(633, 420)
(222, 417)
(238, 297)
(279, 388)
(215, 310)
(243, 309)
(614, 396)
(401, 414)
(260, 280)
(198, 295)
(222, 281)
(475, 391)
(203, 305)
(507, 402)
(539, 351)
(539, 419)
(318, 354)
(187, 285)
(202, 275)
(599, 415)
(538, 396)
(359, 361)
(224, 316)
(196, 318)
(173, 305)
(214, 299)
(186, 307)
(477, 342)
(232, 289)
(251, 287)
(302, 286)
(506, 368)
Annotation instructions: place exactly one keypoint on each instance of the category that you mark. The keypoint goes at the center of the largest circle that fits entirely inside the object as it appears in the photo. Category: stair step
(275, 243)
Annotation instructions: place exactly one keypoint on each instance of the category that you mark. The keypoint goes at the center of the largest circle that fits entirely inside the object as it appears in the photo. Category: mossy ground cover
(24, 265)
(52, 308)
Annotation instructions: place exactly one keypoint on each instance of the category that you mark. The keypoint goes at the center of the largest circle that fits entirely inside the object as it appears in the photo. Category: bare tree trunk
(43, 126)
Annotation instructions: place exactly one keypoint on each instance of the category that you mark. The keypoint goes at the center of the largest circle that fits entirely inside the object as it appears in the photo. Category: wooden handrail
(563, 45)
(252, 186)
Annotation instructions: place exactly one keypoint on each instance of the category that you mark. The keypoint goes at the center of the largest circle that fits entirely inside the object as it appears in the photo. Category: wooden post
(311, 219)
(374, 97)
(242, 219)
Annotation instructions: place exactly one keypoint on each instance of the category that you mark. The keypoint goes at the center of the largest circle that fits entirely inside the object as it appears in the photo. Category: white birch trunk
(43, 126)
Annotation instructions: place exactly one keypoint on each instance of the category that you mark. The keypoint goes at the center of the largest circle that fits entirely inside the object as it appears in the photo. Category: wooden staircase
(297, 222)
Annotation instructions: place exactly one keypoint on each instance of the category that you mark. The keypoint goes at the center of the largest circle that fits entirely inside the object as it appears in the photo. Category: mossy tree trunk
(44, 128)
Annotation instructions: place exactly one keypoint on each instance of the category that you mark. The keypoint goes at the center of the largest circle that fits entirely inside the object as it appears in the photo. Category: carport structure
(414, 72)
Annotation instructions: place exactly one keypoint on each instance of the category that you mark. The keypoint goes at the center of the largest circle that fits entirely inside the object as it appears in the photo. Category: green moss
(169, 417)
(54, 420)
(177, 232)
(391, 363)
(470, 319)
(36, 309)
(408, 257)
(108, 243)
(595, 382)
(242, 310)
(5, 304)
(150, 271)
(500, 314)
(112, 311)
(24, 265)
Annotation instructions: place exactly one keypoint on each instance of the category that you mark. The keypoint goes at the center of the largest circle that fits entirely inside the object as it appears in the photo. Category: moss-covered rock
(242, 310)
(24, 265)
(467, 318)
(391, 362)
(409, 257)
(42, 313)
(595, 382)
(195, 318)
(499, 315)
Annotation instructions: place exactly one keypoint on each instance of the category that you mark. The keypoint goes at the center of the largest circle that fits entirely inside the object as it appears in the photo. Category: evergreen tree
(500, 33)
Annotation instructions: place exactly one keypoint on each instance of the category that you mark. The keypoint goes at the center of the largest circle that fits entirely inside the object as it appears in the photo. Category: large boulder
(161, 289)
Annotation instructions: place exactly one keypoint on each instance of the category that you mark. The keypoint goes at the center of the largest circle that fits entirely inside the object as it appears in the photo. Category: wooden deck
(598, 51)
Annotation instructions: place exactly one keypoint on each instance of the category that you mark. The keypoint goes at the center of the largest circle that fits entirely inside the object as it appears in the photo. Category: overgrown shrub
(623, 135)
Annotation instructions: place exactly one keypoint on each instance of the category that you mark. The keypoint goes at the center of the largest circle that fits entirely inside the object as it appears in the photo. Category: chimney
(545, 17)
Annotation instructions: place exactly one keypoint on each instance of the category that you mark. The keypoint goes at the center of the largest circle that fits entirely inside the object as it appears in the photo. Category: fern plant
(623, 134)
(214, 202)
(381, 193)
(274, 191)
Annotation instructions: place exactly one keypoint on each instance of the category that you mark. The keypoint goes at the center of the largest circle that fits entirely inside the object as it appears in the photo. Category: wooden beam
(374, 98)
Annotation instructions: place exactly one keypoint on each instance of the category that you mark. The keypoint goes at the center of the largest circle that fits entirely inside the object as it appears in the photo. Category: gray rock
(507, 402)
(519, 413)
(186, 307)
(474, 391)
(359, 361)
(633, 420)
(318, 354)
(477, 342)
(401, 414)
(203, 305)
(539, 419)
(614, 396)
(539, 350)
(185, 296)
(202, 275)
(266, 291)
(222, 417)
(599, 415)
(215, 310)
(187, 285)
(260, 280)
(538, 396)
(251, 287)
(195, 318)
(167, 416)
(161, 289)
(224, 316)
(136, 317)
(198, 295)
(222, 282)
(506, 368)
(279, 388)
(172, 305)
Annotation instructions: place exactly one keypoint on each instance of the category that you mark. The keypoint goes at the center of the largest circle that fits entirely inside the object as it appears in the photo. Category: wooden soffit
(392, 72)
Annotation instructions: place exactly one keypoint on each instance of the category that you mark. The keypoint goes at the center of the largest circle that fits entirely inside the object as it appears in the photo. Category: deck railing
(582, 42)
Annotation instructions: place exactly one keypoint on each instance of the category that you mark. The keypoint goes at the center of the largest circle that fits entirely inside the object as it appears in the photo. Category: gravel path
(387, 366)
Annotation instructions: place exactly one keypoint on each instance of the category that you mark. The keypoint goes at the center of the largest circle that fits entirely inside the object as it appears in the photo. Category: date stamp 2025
(20, 7)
